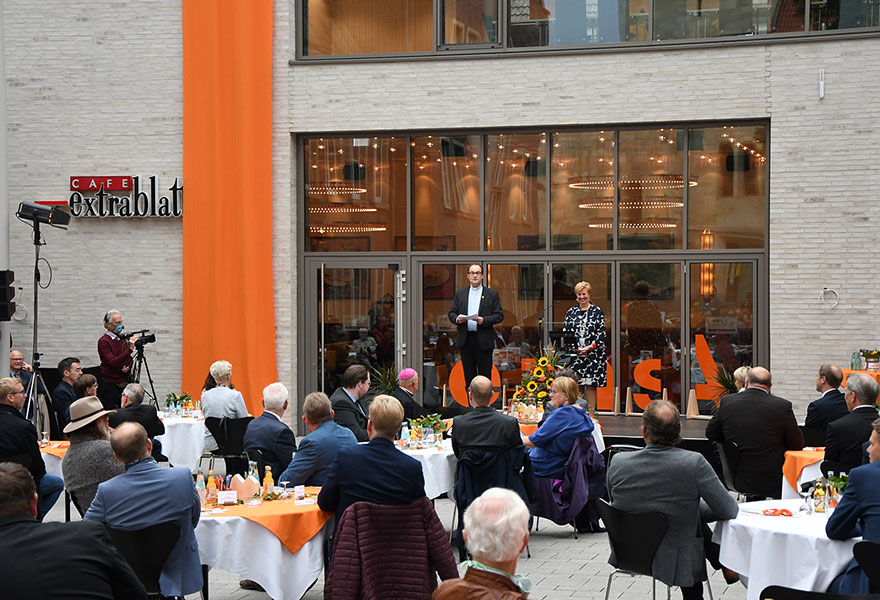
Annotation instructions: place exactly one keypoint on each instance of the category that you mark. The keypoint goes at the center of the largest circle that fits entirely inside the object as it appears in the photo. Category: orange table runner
(874, 374)
(293, 524)
(58, 449)
(796, 460)
(528, 428)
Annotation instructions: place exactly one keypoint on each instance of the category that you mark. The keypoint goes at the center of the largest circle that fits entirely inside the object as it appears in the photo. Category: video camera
(146, 337)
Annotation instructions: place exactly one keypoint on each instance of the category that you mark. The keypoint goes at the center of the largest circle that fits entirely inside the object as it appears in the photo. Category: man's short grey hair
(109, 315)
(317, 407)
(274, 396)
(865, 387)
(134, 392)
(220, 369)
(496, 524)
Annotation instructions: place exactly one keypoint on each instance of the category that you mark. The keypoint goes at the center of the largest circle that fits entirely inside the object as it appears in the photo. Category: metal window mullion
(484, 151)
(686, 181)
(615, 240)
(651, 21)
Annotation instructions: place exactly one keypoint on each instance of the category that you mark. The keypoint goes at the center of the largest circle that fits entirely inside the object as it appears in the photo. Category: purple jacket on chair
(560, 500)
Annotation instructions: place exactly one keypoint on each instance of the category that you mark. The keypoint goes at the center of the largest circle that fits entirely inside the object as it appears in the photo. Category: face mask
(118, 329)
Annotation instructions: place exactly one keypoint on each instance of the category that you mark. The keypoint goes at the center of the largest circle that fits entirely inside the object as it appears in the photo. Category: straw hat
(84, 411)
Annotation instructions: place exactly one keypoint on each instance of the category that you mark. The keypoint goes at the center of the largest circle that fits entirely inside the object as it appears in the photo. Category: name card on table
(227, 497)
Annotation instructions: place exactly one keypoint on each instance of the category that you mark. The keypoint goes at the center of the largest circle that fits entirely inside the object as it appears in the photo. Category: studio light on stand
(36, 214)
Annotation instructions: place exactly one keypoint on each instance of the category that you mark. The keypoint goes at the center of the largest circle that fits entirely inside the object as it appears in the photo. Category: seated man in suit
(496, 530)
(697, 496)
(70, 370)
(484, 428)
(147, 494)
(858, 514)
(846, 436)
(350, 408)
(134, 409)
(763, 427)
(55, 560)
(318, 450)
(268, 433)
(376, 472)
(831, 405)
(407, 386)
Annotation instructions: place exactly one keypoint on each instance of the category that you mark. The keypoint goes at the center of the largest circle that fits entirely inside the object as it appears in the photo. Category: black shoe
(247, 584)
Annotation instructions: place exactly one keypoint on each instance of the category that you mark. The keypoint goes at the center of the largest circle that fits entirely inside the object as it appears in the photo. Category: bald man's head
(760, 376)
(130, 442)
(481, 391)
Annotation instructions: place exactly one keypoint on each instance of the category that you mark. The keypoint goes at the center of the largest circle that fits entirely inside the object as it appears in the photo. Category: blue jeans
(48, 490)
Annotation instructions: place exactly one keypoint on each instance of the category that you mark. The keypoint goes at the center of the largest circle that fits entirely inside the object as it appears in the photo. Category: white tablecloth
(809, 473)
(183, 441)
(789, 551)
(438, 467)
(53, 464)
(251, 551)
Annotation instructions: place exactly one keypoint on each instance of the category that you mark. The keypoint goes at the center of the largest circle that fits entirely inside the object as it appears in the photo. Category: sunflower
(538, 372)
(532, 386)
(549, 382)
(542, 394)
(543, 361)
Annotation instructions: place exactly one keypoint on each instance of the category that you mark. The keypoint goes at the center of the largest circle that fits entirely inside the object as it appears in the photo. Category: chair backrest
(634, 537)
(778, 592)
(728, 452)
(814, 436)
(868, 556)
(256, 455)
(228, 433)
(832, 466)
(146, 550)
(613, 449)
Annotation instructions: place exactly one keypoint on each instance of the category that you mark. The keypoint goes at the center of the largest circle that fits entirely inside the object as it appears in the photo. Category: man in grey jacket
(681, 485)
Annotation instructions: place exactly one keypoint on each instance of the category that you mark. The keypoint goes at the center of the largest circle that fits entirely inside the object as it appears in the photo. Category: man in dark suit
(350, 408)
(22, 371)
(62, 561)
(317, 451)
(484, 428)
(376, 472)
(70, 370)
(831, 405)
(269, 434)
(134, 409)
(476, 337)
(763, 427)
(407, 386)
(846, 436)
(147, 494)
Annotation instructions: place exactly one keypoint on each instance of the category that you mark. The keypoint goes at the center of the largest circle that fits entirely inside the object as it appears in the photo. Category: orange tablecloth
(528, 428)
(796, 460)
(58, 449)
(293, 524)
(874, 374)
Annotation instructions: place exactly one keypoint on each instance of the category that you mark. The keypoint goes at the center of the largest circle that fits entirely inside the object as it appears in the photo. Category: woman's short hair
(567, 386)
(386, 414)
(220, 369)
(496, 524)
(581, 286)
(84, 382)
(741, 374)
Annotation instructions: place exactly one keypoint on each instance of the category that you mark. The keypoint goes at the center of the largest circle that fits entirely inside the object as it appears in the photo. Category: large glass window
(340, 27)
(577, 22)
(843, 14)
(651, 189)
(582, 190)
(694, 19)
(470, 22)
(727, 209)
(446, 193)
(355, 193)
(516, 191)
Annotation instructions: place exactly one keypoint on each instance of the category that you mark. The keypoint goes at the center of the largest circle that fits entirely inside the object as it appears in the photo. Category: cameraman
(116, 360)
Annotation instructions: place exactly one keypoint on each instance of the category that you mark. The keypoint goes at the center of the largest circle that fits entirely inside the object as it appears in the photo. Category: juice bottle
(819, 497)
(211, 489)
(268, 482)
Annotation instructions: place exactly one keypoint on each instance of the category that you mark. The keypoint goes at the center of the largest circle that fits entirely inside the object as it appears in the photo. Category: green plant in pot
(383, 380)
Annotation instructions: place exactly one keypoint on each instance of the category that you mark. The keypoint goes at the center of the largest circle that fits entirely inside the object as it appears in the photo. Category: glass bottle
(211, 489)
(268, 482)
(819, 497)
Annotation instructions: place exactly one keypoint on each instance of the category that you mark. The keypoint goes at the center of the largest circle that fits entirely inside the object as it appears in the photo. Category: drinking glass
(805, 507)
(284, 492)
(45, 440)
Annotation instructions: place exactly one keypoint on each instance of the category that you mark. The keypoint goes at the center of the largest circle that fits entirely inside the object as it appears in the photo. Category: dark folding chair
(868, 556)
(634, 539)
(778, 592)
(146, 551)
(256, 455)
(614, 449)
(229, 435)
(832, 466)
(813, 436)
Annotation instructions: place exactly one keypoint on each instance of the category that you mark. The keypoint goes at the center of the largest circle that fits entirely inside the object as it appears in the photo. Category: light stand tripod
(37, 410)
(140, 360)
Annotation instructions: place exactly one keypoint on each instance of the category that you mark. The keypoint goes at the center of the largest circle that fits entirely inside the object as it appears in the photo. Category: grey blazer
(682, 485)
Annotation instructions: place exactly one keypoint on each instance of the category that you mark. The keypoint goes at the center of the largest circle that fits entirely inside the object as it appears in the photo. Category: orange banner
(228, 307)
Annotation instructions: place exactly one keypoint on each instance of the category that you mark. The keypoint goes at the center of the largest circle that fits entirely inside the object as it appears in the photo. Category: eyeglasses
(17, 360)
(552, 392)
(475, 272)
(21, 391)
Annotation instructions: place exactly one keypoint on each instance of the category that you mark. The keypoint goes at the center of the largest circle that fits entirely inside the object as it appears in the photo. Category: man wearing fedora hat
(90, 460)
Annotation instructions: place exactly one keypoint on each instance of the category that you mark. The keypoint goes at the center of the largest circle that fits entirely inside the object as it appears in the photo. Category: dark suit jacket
(274, 438)
(845, 436)
(145, 414)
(348, 415)
(18, 436)
(490, 310)
(826, 409)
(484, 428)
(411, 408)
(62, 561)
(763, 426)
(376, 472)
(62, 398)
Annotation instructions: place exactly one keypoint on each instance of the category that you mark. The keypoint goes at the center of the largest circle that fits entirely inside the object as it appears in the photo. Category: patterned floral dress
(588, 326)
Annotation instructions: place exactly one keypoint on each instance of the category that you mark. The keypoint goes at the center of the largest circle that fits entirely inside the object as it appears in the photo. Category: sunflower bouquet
(532, 395)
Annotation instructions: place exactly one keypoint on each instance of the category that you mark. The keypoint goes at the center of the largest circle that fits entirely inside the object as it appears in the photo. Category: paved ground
(560, 567)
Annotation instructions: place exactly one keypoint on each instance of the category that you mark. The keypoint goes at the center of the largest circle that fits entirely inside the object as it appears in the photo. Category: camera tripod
(140, 361)
(37, 411)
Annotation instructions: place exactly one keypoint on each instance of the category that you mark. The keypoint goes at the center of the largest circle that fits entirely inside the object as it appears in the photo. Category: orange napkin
(293, 524)
(58, 449)
(528, 428)
(796, 460)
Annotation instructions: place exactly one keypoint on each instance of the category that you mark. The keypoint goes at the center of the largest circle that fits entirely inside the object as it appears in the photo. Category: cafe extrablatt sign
(121, 196)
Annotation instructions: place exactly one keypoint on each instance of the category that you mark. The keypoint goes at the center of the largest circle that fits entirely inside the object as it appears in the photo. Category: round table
(183, 441)
(789, 551)
(438, 467)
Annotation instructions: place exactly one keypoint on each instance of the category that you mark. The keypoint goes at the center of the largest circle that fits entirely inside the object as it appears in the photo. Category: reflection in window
(727, 209)
(356, 193)
(438, 334)
(582, 190)
(577, 22)
(446, 193)
(694, 19)
(341, 27)
(470, 21)
(516, 200)
(651, 190)
(843, 14)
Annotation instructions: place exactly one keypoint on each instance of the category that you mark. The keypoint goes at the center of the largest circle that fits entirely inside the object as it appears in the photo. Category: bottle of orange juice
(268, 482)
(211, 489)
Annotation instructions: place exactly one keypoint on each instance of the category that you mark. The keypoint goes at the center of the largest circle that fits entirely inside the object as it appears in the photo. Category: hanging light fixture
(707, 270)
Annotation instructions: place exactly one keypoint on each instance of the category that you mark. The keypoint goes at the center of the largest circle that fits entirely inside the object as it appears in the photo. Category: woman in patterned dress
(586, 323)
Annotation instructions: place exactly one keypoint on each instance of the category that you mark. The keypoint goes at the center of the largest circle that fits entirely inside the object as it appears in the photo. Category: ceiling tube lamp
(707, 270)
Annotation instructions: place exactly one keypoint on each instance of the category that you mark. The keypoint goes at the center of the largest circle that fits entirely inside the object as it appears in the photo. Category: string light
(634, 225)
(335, 189)
(632, 204)
(339, 209)
(366, 228)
